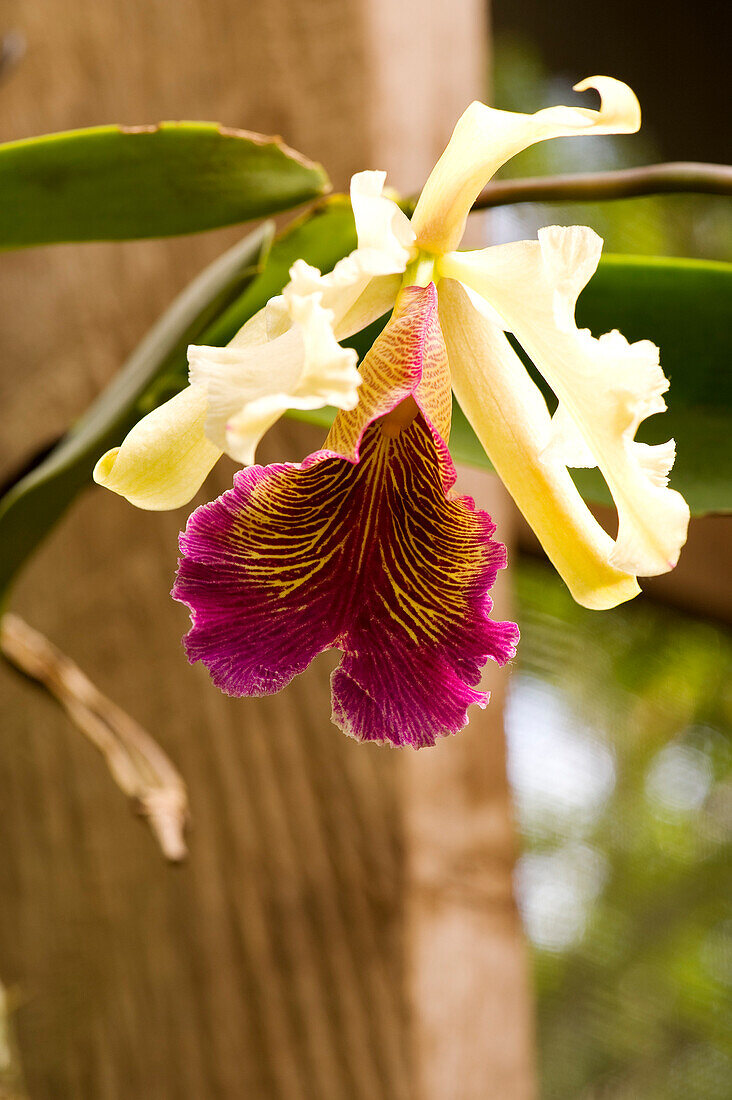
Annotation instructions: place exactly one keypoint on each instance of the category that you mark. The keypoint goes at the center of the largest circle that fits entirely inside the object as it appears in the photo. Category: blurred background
(618, 725)
(346, 925)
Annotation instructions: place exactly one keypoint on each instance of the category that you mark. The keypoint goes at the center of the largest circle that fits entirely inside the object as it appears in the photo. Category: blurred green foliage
(621, 760)
(620, 744)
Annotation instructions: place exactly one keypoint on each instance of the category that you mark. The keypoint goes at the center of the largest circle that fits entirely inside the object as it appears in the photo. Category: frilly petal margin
(165, 458)
(485, 138)
(360, 548)
(605, 387)
(510, 417)
(253, 381)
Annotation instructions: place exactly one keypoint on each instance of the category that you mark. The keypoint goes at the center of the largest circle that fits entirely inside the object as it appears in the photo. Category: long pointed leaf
(118, 183)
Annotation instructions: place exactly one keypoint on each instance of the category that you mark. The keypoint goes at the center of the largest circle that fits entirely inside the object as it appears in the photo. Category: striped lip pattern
(362, 547)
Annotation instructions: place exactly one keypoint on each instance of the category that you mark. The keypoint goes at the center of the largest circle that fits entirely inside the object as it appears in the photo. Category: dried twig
(138, 765)
(625, 183)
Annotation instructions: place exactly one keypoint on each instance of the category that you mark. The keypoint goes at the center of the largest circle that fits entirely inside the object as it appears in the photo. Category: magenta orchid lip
(363, 548)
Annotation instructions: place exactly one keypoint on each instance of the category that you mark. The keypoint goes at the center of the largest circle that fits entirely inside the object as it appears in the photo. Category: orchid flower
(363, 546)
(360, 547)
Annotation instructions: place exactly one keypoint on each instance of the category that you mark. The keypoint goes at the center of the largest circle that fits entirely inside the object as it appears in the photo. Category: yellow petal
(485, 138)
(376, 299)
(510, 418)
(605, 387)
(164, 459)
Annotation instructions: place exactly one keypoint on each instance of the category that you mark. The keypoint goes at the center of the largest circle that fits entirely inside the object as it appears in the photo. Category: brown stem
(138, 765)
(625, 183)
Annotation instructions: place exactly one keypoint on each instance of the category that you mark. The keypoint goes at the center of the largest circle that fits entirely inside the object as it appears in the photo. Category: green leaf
(34, 504)
(118, 183)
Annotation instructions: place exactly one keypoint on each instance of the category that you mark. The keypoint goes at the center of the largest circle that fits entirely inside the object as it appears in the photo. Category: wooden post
(344, 928)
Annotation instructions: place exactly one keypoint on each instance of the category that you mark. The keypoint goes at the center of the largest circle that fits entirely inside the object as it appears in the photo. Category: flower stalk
(675, 177)
(138, 765)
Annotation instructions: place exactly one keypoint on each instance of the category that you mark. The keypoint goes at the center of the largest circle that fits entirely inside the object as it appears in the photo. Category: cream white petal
(566, 444)
(377, 298)
(256, 329)
(510, 417)
(353, 293)
(246, 427)
(329, 372)
(485, 138)
(248, 386)
(233, 378)
(605, 387)
(384, 231)
(288, 355)
(163, 461)
(363, 285)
